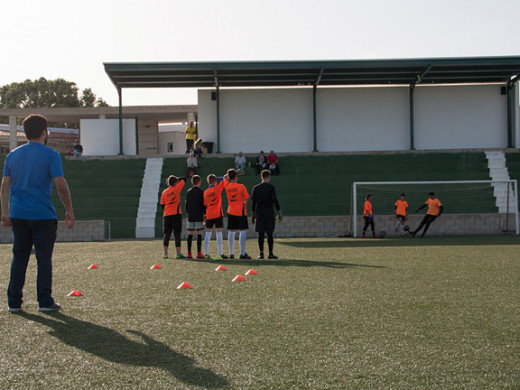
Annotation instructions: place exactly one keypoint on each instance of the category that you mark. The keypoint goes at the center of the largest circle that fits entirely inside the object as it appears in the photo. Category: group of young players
(204, 212)
(435, 209)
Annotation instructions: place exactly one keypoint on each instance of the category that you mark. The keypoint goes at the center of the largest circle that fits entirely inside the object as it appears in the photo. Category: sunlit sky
(71, 39)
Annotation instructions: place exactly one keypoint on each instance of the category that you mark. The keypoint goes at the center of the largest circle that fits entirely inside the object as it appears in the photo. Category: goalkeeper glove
(280, 217)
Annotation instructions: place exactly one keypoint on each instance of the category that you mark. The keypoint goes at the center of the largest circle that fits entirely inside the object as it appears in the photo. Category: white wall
(453, 117)
(177, 138)
(100, 137)
(362, 119)
(255, 119)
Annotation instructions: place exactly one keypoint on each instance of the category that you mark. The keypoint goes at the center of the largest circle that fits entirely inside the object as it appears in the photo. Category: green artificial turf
(441, 312)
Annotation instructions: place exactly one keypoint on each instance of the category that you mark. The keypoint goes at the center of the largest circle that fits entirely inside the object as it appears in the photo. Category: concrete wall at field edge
(82, 231)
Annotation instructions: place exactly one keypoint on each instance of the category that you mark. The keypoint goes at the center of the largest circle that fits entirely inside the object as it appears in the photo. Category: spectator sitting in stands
(272, 161)
(240, 163)
(192, 165)
(261, 163)
(197, 148)
(77, 150)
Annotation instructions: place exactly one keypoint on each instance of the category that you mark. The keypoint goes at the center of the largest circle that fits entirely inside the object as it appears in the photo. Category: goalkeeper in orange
(401, 211)
(435, 210)
(368, 216)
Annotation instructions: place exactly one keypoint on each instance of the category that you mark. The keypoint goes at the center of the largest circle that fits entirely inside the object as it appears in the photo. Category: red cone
(155, 266)
(221, 268)
(75, 293)
(184, 285)
(251, 272)
(93, 266)
(239, 278)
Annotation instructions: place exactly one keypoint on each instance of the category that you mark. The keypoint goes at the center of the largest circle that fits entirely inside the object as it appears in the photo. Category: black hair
(34, 125)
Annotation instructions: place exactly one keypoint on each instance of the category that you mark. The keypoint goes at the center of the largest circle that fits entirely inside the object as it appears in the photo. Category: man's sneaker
(165, 256)
(223, 257)
(231, 256)
(15, 309)
(53, 307)
(245, 256)
(200, 255)
(260, 256)
(272, 256)
(180, 256)
(189, 256)
(363, 236)
(207, 257)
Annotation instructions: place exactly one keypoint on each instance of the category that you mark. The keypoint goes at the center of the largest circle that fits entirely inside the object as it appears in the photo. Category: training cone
(251, 272)
(239, 278)
(93, 266)
(184, 285)
(75, 293)
(221, 268)
(155, 266)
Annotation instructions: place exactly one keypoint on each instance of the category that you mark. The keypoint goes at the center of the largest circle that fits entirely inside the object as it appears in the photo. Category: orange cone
(93, 266)
(239, 278)
(184, 285)
(155, 266)
(75, 293)
(251, 272)
(221, 268)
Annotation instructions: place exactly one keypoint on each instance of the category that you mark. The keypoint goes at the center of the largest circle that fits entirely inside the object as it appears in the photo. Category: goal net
(486, 201)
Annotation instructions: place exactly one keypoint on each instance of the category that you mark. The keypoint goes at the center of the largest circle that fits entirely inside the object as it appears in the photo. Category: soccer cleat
(224, 257)
(260, 256)
(165, 255)
(272, 256)
(189, 256)
(200, 255)
(374, 235)
(207, 257)
(54, 307)
(231, 256)
(180, 256)
(219, 257)
(15, 309)
(363, 235)
(245, 256)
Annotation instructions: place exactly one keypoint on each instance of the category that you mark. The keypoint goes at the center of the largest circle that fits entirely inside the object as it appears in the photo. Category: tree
(47, 93)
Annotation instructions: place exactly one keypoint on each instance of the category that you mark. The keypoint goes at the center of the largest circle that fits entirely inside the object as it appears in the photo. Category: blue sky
(72, 39)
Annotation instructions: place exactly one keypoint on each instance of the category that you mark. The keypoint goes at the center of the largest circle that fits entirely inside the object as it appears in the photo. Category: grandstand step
(145, 222)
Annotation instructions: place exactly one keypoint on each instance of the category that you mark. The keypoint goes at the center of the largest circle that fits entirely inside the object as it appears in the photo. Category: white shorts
(195, 225)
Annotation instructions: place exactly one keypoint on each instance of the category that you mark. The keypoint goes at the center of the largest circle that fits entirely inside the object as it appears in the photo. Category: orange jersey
(213, 201)
(367, 209)
(171, 199)
(433, 206)
(236, 195)
(400, 207)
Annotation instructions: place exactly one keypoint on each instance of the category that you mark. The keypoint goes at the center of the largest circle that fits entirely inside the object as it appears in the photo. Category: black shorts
(217, 222)
(401, 217)
(235, 222)
(172, 223)
(265, 223)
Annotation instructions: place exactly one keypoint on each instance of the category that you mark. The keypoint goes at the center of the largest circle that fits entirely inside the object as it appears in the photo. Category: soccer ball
(406, 228)
(382, 234)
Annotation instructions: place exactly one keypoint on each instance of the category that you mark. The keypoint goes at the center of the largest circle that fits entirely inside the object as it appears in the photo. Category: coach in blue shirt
(29, 172)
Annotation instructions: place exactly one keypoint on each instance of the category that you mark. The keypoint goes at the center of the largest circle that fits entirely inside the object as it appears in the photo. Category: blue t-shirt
(32, 168)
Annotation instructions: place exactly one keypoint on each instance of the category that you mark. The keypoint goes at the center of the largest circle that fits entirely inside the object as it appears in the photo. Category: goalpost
(458, 197)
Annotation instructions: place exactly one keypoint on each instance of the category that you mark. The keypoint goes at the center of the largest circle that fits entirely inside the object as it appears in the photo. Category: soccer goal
(486, 206)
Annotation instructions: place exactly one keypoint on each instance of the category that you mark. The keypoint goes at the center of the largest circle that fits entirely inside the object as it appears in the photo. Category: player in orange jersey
(401, 211)
(238, 199)
(214, 215)
(368, 216)
(435, 209)
(172, 216)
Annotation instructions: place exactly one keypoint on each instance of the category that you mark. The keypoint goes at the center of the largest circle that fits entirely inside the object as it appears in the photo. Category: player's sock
(231, 242)
(190, 239)
(220, 242)
(207, 239)
(199, 242)
(270, 242)
(243, 238)
(261, 241)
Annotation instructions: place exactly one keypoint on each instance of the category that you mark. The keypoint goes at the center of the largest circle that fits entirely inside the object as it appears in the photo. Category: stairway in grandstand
(145, 223)
(503, 192)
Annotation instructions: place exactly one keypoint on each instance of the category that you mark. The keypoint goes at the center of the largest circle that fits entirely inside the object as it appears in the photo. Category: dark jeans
(189, 145)
(41, 234)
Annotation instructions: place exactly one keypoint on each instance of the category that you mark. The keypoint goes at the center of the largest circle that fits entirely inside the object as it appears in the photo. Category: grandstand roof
(310, 73)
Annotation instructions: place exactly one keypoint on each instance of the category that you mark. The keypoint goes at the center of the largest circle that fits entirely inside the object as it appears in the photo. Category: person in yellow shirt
(191, 134)
(369, 216)
(435, 210)
(401, 211)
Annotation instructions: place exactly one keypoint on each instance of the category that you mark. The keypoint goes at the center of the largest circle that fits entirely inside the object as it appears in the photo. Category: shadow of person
(115, 347)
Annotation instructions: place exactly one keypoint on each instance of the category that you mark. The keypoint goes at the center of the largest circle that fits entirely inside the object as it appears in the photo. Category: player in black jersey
(263, 200)
(195, 215)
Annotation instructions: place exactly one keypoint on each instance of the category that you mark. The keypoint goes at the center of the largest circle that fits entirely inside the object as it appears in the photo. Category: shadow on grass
(288, 263)
(115, 347)
(404, 242)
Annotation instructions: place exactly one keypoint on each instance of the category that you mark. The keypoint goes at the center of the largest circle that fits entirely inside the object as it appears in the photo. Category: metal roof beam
(319, 77)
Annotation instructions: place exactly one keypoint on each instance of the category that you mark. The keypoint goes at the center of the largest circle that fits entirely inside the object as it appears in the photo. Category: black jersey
(195, 204)
(263, 199)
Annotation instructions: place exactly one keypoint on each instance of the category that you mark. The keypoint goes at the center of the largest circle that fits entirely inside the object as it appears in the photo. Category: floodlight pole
(120, 93)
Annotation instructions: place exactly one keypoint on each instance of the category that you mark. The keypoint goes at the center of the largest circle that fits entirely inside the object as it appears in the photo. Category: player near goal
(263, 200)
(435, 209)
(368, 215)
(401, 211)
